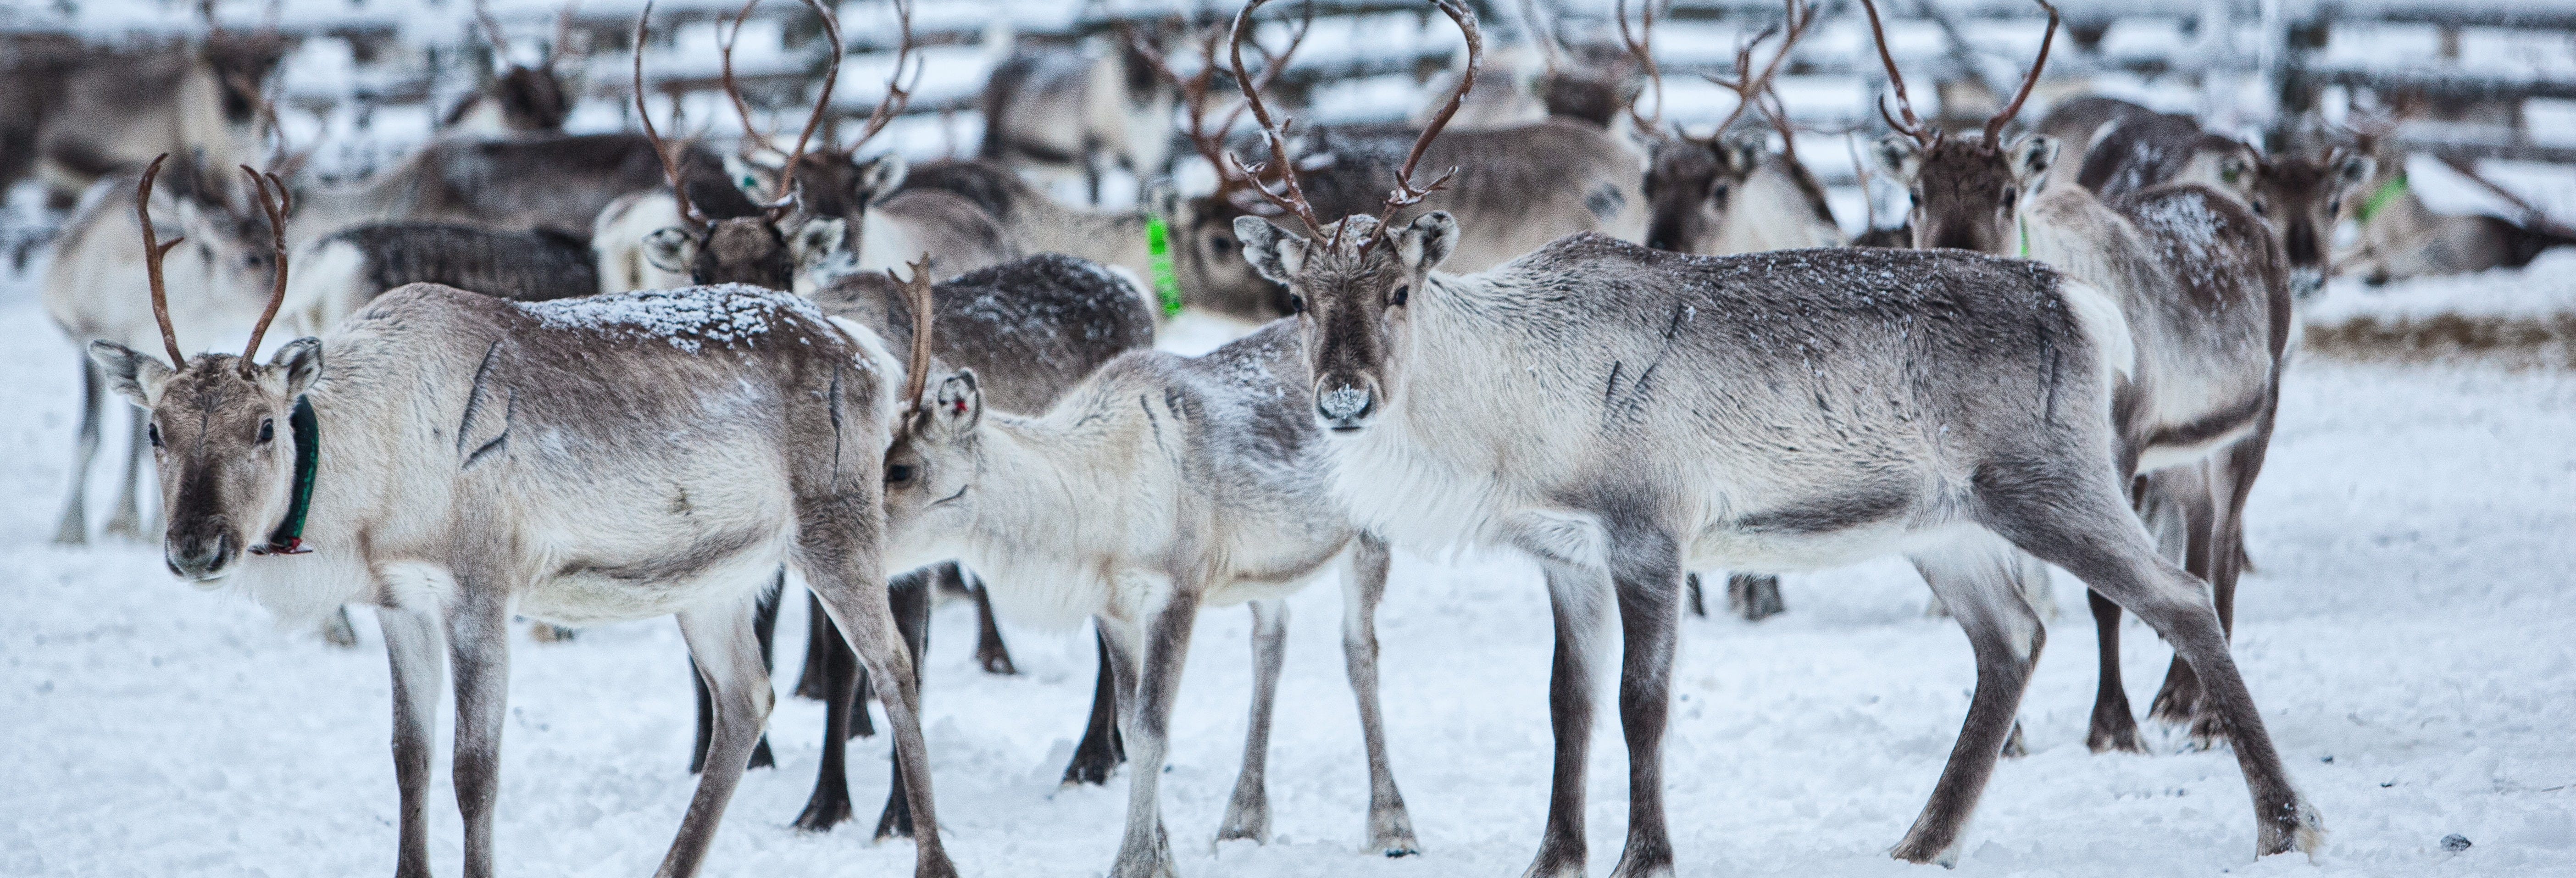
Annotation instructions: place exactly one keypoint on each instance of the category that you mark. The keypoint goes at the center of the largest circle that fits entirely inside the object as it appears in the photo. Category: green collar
(2024, 226)
(2380, 198)
(288, 539)
(1158, 248)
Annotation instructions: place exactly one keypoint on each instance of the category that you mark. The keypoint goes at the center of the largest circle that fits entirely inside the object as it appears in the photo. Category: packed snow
(688, 317)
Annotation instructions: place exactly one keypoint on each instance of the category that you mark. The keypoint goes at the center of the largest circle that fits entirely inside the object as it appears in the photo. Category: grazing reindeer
(1034, 328)
(2204, 290)
(421, 499)
(116, 111)
(93, 291)
(1222, 494)
(1736, 412)
(1059, 111)
(521, 101)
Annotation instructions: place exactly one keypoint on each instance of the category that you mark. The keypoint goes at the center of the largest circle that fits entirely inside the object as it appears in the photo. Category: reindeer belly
(592, 588)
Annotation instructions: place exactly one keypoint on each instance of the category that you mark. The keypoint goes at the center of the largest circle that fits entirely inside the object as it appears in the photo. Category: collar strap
(2380, 198)
(2024, 226)
(288, 539)
(1158, 248)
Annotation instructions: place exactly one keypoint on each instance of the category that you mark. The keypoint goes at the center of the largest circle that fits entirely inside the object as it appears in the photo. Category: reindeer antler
(751, 134)
(1995, 125)
(1913, 126)
(1406, 194)
(1544, 34)
(1274, 132)
(898, 93)
(492, 31)
(670, 165)
(1642, 45)
(276, 206)
(1196, 89)
(916, 375)
(153, 250)
(786, 190)
(1750, 88)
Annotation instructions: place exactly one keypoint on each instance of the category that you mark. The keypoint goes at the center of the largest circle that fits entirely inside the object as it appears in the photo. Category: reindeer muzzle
(200, 555)
(1347, 407)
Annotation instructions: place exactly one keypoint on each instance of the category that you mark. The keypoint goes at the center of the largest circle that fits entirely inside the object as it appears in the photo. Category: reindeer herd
(600, 378)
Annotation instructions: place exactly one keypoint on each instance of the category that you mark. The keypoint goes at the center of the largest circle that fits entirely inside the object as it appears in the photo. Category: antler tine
(898, 94)
(1544, 35)
(670, 166)
(1751, 88)
(563, 34)
(1273, 66)
(276, 206)
(492, 30)
(916, 374)
(1292, 198)
(1995, 125)
(1406, 194)
(1642, 45)
(752, 136)
(153, 250)
(1913, 125)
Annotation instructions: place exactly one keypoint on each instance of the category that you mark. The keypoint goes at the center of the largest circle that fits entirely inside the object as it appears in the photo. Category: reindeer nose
(199, 556)
(1345, 407)
(2306, 283)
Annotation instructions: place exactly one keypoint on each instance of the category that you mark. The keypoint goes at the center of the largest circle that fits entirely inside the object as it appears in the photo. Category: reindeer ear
(2353, 169)
(1899, 157)
(957, 405)
(1162, 198)
(1428, 240)
(816, 239)
(1273, 251)
(136, 376)
(1740, 154)
(2031, 159)
(295, 366)
(670, 249)
(880, 176)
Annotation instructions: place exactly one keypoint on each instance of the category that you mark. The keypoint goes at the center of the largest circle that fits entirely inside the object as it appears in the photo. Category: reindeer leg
(411, 647)
(837, 679)
(2115, 726)
(1754, 596)
(2232, 481)
(911, 596)
(820, 639)
(129, 521)
(764, 625)
(2096, 538)
(1693, 598)
(1977, 581)
(478, 643)
(990, 651)
(1247, 815)
(1145, 851)
(1574, 596)
(1097, 757)
(74, 529)
(864, 614)
(2187, 492)
(1646, 571)
(726, 645)
(1390, 828)
(764, 628)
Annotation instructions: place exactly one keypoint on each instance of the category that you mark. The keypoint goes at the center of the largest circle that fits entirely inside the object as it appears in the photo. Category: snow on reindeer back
(688, 318)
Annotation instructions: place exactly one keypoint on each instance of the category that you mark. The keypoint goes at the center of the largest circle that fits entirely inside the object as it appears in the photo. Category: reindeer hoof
(337, 631)
(2013, 746)
(997, 663)
(821, 815)
(2299, 828)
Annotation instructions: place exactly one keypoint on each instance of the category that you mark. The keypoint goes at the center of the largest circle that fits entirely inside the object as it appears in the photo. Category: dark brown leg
(910, 595)
(1101, 752)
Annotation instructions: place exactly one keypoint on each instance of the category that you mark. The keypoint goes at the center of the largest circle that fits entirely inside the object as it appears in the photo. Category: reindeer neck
(2072, 230)
(1051, 486)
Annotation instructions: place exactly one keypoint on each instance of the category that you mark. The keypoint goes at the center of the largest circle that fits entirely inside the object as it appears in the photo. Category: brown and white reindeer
(1729, 192)
(2206, 294)
(521, 100)
(1158, 486)
(117, 109)
(400, 472)
(1622, 414)
(1059, 111)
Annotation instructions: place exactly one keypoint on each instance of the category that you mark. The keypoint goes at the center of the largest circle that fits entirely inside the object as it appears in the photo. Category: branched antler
(1913, 126)
(1750, 88)
(276, 204)
(752, 136)
(1642, 45)
(492, 30)
(1199, 87)
(1995, 124)
(670, 164)
(785, 194)
(1406, 194)
(153, 250)
(1274, 132)
(898, 93)
(916, 374)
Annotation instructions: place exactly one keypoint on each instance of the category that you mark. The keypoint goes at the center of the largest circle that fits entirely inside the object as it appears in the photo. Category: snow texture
(687, 318)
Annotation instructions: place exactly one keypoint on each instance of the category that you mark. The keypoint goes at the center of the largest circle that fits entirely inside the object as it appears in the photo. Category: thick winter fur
(118, 109)
(521, 102)
(469, 471)
(1161, 485)
(488, 183)
(2205, 290)
(94, 289)
(2406, 239)
(339, 274)
(1063, 111)
(1778, 411)
(1733, 195)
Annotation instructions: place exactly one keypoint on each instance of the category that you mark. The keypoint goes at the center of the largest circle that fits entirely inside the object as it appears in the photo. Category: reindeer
(522, 100)
(115, 110)
(2402, 238)
(1737, 412)
(2205, 291)
(418, 500)
(1729, 193)
(1059, 111)
(351, 267)
(486, 183)
(91, 292)
(1220, 492)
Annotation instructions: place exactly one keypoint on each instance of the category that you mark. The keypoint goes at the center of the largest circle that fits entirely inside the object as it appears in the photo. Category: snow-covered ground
(2406, 636)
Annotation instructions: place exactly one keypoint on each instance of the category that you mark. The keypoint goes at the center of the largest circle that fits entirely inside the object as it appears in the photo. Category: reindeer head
(1207, 255)
(2300, 198)
(218, 424)
(1350, 283)
(241, 64)
(768, 247)
(1693, 184)
(934, 460)
(530, 98)
(1967, 192)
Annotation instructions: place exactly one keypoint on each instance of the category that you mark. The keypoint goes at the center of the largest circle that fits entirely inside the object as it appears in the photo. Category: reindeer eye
(267, 430)
(1296, 304)
(2011, 196)
(1718, 192)
(252, 260)
(1221, 244)
(1403, 293)
(2261, 209)
(899, 473)
(154, 433)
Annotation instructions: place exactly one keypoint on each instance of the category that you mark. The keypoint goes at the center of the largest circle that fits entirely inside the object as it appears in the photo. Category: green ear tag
(2379, 199)
(1158, 248)
(2024, 226)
